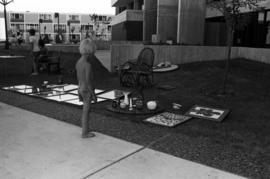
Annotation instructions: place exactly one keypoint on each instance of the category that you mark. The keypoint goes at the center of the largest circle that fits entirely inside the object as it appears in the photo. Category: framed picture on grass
(214, 114)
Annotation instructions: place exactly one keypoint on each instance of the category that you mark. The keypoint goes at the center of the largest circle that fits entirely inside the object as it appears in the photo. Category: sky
(68, 6)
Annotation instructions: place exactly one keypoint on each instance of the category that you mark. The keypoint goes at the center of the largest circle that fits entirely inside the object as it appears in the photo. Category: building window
(46, 17)
(121, 9)
(109, 28)
(17, 28)
(62, 28)
(74, 18)
(131, 5)
(85, 28)
(31, 26)
(16, 17)
(141, 4)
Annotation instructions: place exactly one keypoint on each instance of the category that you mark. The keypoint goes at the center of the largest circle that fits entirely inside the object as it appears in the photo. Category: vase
(126, 100)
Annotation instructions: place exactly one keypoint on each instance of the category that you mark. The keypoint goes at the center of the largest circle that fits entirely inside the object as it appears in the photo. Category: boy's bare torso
(83, 69)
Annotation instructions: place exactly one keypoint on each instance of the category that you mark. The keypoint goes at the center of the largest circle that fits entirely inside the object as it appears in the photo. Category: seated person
(43, 54)
(20, 38)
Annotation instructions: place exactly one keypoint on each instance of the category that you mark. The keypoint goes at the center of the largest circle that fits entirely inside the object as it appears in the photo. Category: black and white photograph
(134, 89)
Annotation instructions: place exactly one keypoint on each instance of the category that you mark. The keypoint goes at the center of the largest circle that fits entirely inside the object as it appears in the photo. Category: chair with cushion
(138, 72)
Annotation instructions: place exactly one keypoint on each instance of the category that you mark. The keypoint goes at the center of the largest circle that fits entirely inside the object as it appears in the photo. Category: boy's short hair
(87, 46)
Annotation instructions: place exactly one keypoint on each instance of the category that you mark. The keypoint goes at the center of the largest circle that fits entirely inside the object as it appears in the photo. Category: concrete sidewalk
(37, 147)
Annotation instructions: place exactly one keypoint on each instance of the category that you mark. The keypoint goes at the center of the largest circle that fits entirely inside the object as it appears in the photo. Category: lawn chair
(138, 72)
(50, 60)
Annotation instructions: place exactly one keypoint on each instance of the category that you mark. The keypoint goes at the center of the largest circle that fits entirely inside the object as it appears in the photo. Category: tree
(232, 11)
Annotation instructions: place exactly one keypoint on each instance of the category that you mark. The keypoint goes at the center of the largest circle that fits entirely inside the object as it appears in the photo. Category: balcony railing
(16, 19)
(128, 15)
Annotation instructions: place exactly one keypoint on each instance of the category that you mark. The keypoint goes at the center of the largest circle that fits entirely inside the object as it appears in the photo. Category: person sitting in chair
(43, 54)
(86, 83)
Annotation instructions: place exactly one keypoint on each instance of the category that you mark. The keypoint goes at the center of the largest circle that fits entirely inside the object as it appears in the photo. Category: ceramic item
(176, 106)
(130, 104)
(126, 100)
(151, 105)
(114, 103)
(123, 105)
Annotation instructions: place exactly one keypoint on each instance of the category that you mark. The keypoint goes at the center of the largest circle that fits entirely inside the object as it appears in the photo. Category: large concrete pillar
(136, 5)
(149, 19)
(116, 10)
(167, 13)
(191, 21)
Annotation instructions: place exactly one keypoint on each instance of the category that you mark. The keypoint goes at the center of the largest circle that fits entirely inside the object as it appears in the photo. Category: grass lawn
(240, 144)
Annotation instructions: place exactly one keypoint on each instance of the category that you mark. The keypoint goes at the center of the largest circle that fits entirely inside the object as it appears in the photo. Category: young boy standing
(86, 79)
(34, 50)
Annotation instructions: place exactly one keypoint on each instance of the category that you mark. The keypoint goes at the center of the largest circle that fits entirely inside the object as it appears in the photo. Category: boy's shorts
(84, 95)
(36, 55)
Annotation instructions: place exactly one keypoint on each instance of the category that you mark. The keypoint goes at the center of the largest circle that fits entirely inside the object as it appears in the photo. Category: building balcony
(113, 2)
(47, 20)
(16, 20)
(118, 3)
(128, 15)
(73, 21)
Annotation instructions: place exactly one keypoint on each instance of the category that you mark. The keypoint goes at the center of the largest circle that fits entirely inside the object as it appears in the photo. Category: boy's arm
(31, 44)
(90, 80)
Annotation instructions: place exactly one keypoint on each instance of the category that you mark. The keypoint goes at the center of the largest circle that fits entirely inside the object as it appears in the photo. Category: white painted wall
(2, 29)
(186, 54)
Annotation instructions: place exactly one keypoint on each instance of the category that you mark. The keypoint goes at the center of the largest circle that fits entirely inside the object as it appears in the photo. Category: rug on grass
(167, 119)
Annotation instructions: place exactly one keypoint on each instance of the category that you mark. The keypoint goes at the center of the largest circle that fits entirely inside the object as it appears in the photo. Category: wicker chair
(50, 60)
(138, 72)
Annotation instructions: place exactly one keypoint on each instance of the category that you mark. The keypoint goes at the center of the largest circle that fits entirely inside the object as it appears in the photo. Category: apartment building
(180, 21)
(254, 33)
(189, 22)
(61, 27)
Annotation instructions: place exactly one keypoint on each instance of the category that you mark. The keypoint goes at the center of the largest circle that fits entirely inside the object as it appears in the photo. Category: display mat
(135, 111)
(62, 97)
(46, 94)
(167, 119)
(66, 88)
(209, 113)
(18, 87)
(97, 91)
(67, 93)
(80, 103)
(21, 89)
(114, 94)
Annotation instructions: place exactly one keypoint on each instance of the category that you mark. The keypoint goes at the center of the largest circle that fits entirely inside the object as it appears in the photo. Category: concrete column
(149, 19)
(167, 11)
(191, 21)
(136, 5)
(116, 10)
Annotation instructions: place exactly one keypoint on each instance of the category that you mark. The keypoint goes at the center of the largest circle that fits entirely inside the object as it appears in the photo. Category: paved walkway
(37, 147)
